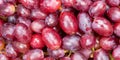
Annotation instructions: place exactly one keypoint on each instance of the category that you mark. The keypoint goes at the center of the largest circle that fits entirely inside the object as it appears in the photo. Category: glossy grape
(7, 9)
(67, 3)
(116, 29)
(102, 26)
(23, 20)
(108, 43)
(97, 8)
(116, 53)
(50, 6)
(71, 42)
(113, 14)
(22, 33)
(36, 41)
(85, 22)
(22, 11)
(51, 20)
(113, 2)
(87, 41)
(100, 54)
(37, 14)
(8, 30)
(82, 5)
(35, 54)
(78, 56)
(29, 3)
(20, 47)
(68, 22)
(56, 53)
(38, 25)
(51, 38)
(10, 51)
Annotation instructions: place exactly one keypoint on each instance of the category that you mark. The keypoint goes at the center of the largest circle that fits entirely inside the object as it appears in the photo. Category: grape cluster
(59, 30)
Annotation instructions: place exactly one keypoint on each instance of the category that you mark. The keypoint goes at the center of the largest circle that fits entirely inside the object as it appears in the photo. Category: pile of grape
(59, 29)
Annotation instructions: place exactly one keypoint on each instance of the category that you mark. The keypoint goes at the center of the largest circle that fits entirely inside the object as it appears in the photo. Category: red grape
(117, 29)
(8, 30)
(51, 38)
(56, 53)
(78, 56)
(35, 54)
(22, 33)
(29, 3)
(20, 47)
(85, 22)
(22, 11)
(67, 3)
(108, 43)
(50, 6)
(102, 26)
(116, 53)
(114, 14)
(113, 2)
(36, 41)
(71, 42)
(10, 51)
(100, 54)
(37, 14)
(97, 8)
(51, 20)
(38, 25)
(7, 9)
(87, 41)
(68, 22)
(82, 5)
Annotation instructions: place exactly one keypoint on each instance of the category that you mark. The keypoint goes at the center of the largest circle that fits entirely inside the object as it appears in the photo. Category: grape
(56, 53)
(8, 30)
(36, 41)
(100, 54)
(22, 11)
(35, 54)
(87, 41)
(3, 57)
(38, 25)
(7, 9)
(108, 43)
(51, 20)
(71, 42)
(22, 33)
(51, 38)
(37, 14)
(82, 5)
(85, 22)
(113, 14)
(10, 51)
(116, 53)
(50, 6)
(29, 3)
(102, 26)
(20, 47)
(68, 22)
(78, 56)
(97, 8)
